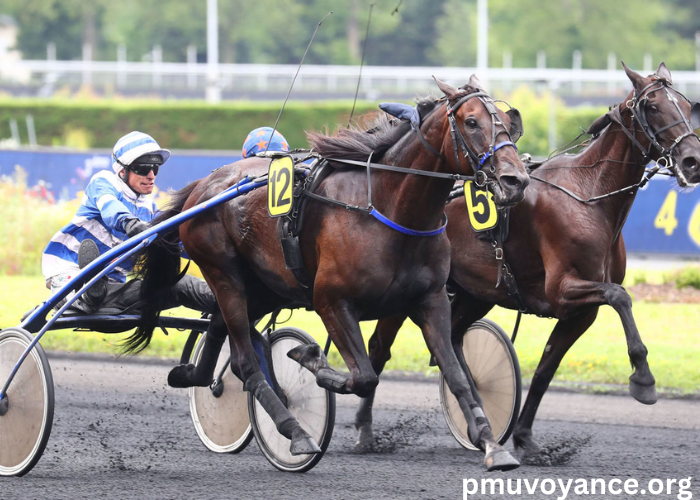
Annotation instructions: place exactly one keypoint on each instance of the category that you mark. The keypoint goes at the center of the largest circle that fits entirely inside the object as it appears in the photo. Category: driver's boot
(91, 300)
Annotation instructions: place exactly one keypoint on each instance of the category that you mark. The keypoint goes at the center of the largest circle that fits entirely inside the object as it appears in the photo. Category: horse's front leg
(573, 295)
(379, 354)
(344, 329)
(433, 317)
(642, 382)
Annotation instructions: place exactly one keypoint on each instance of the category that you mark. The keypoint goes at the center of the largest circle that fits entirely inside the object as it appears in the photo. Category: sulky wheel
(26, 415)
(312, 406)
(494, 366)
(220, 412)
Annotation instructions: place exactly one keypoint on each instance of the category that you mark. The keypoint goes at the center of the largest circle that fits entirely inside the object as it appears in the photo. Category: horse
(359, 268)
(565, 247)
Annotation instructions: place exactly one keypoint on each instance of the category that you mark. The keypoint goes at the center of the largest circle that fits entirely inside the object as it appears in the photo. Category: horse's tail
(158, 267)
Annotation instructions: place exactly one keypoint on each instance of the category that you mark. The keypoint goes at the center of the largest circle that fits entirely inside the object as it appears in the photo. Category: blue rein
(411, 232)
(498, 146)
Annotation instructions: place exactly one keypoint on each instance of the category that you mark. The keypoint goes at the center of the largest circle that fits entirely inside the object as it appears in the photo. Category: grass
(600, 356)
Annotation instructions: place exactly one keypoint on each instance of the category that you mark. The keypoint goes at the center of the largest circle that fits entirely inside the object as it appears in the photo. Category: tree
(66, 23)
(139, 25)
(595, 27)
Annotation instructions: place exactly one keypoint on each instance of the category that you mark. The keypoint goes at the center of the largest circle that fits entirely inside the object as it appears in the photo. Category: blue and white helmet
(132, 146)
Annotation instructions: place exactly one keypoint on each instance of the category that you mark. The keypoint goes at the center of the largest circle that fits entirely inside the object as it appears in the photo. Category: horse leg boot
(264, 351)
(379, 347)
(433, 317)
(287, 425)
(201, 375)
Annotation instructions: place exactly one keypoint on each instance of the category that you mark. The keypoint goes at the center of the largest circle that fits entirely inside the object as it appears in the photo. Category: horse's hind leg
(565, 333)
(433, 317)
(466, 309)
(254, 380)
(344, 329)
(189, 375)
(379, 354)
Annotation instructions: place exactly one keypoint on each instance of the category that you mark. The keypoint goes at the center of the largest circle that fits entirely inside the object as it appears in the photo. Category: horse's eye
(471, 123)
(654, 108)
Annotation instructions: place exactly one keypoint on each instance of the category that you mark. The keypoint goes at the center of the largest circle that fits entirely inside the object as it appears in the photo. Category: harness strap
(331, 201)
(427, 145)
(411, 232)
(403, 170)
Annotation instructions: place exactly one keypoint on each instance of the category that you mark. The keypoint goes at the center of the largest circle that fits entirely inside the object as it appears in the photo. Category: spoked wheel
(220, 412)
(494, 366)
(26, 416)
(312, 406)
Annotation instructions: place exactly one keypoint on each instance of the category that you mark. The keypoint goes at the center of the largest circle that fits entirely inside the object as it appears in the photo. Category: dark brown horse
(568, 255)
(361, 269)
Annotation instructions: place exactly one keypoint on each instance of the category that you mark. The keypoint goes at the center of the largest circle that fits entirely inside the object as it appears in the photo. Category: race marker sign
(279, 186)
(480, 207)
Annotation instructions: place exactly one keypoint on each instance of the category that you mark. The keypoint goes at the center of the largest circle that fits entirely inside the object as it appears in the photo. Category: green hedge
(175, 124)
(196, 125)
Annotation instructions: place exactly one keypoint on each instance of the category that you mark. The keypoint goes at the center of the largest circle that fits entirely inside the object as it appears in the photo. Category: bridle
(477, 160)
(637, 106)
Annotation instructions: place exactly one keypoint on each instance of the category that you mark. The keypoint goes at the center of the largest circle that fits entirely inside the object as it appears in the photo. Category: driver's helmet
(257, 140)
(134, 145)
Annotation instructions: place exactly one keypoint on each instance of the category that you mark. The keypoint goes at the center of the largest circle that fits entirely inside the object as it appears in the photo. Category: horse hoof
(182, 377)
(303, 444)
(310, 356)
(500, 460)
(365, 439)
(645, 394)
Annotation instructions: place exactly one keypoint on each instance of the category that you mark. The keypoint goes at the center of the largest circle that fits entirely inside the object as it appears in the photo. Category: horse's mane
(357, 143)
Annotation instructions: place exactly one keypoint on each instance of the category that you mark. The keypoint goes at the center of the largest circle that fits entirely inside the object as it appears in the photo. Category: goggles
(143, 169)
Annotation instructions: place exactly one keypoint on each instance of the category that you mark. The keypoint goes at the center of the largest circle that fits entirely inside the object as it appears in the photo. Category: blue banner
(664, 219)
(62, 175)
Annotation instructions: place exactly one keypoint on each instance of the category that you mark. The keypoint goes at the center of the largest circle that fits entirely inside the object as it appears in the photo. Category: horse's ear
(695, 115)
(446, 89)
(475, 83)
(516, 124)
(636, 79)
(663, 72)
(599, 124)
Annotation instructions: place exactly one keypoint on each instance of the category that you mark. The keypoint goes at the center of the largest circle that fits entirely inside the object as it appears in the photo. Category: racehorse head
(486, 136)
(668, 120)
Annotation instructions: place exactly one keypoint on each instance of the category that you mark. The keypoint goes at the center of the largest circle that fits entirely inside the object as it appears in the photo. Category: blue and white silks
(107, 203)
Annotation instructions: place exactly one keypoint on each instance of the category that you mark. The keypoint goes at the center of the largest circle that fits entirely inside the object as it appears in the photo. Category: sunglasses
(144, 169)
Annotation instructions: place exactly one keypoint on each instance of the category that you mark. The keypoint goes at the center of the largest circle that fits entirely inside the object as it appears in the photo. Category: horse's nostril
(689, 163)
(511, 181)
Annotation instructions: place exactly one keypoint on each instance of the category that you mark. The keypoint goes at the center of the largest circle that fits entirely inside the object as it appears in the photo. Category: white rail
(329, 80)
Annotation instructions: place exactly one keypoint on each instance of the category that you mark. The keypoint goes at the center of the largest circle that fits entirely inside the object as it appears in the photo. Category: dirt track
(119, 432)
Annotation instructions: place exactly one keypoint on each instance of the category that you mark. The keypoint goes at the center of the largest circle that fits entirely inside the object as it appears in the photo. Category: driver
(116, 206)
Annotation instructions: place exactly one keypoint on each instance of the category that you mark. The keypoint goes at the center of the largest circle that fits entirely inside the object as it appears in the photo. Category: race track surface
(120, 432)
